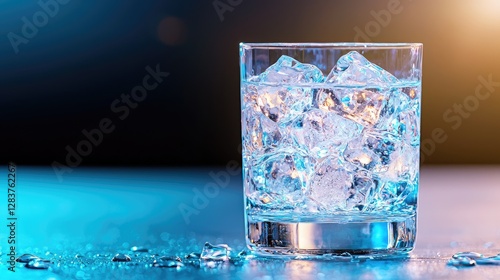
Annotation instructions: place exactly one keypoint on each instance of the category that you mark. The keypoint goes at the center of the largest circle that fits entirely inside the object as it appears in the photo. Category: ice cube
(326, 100)
(290, 71)
(411, 122)
(400, 116)
(278, 180)
(396, 102)
(404, 163)
(259, 132)
(324, 133)
(353, 69)
(361, 191)
(362, 91)
(282, 104)
(249, 94)
(218, 252)
(330, 185)
(361, 105)
(393, 193)
(372, 151)
(280, 96)
(361, 156)
(383, 145)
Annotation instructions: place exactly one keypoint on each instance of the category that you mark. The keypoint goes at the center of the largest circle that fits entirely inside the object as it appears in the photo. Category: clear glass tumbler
(331, 136)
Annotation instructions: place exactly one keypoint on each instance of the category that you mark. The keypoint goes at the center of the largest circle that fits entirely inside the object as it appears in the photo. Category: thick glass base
(373, 238)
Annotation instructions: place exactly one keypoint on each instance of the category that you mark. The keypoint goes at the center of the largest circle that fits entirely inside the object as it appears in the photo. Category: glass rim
(339, 45)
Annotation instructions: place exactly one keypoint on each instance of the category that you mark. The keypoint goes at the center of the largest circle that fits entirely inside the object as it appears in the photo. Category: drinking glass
(331, 136)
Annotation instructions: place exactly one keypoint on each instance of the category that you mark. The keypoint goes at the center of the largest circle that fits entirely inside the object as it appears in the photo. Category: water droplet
(243, 253)
(121, 258)
(170, 258)
(193, 256)
(470, 255)
(139, 249)
(238, 259)
(193, 259)
(38, 264)
(461, 262)
(168, 262)
(489, 261)
(26, 258)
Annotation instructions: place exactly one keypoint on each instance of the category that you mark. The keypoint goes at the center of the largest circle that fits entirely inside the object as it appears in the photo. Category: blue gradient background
(66, 77)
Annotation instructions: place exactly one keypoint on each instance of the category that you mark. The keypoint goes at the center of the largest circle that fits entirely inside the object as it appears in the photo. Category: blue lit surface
(108, 210)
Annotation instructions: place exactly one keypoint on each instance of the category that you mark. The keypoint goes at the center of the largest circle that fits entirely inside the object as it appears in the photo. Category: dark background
(64, 79)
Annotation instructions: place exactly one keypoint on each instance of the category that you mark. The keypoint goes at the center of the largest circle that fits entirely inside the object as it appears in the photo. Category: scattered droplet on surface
(238, 259)
(26, 258)
(489, 261)
(461, 262)
(168, 262)
(139, 249)
(470, 255)
(243, 253)
(38, 264)
(193, 255)
(170, 258)
(121, 258)
(193, 259)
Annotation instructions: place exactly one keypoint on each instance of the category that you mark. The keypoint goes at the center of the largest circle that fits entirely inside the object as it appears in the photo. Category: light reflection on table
(110, 209)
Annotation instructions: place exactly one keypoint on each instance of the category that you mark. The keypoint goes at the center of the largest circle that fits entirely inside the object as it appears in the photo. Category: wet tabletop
(131, 223)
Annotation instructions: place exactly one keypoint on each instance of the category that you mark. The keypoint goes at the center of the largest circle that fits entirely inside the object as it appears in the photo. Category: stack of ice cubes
(345, 142)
